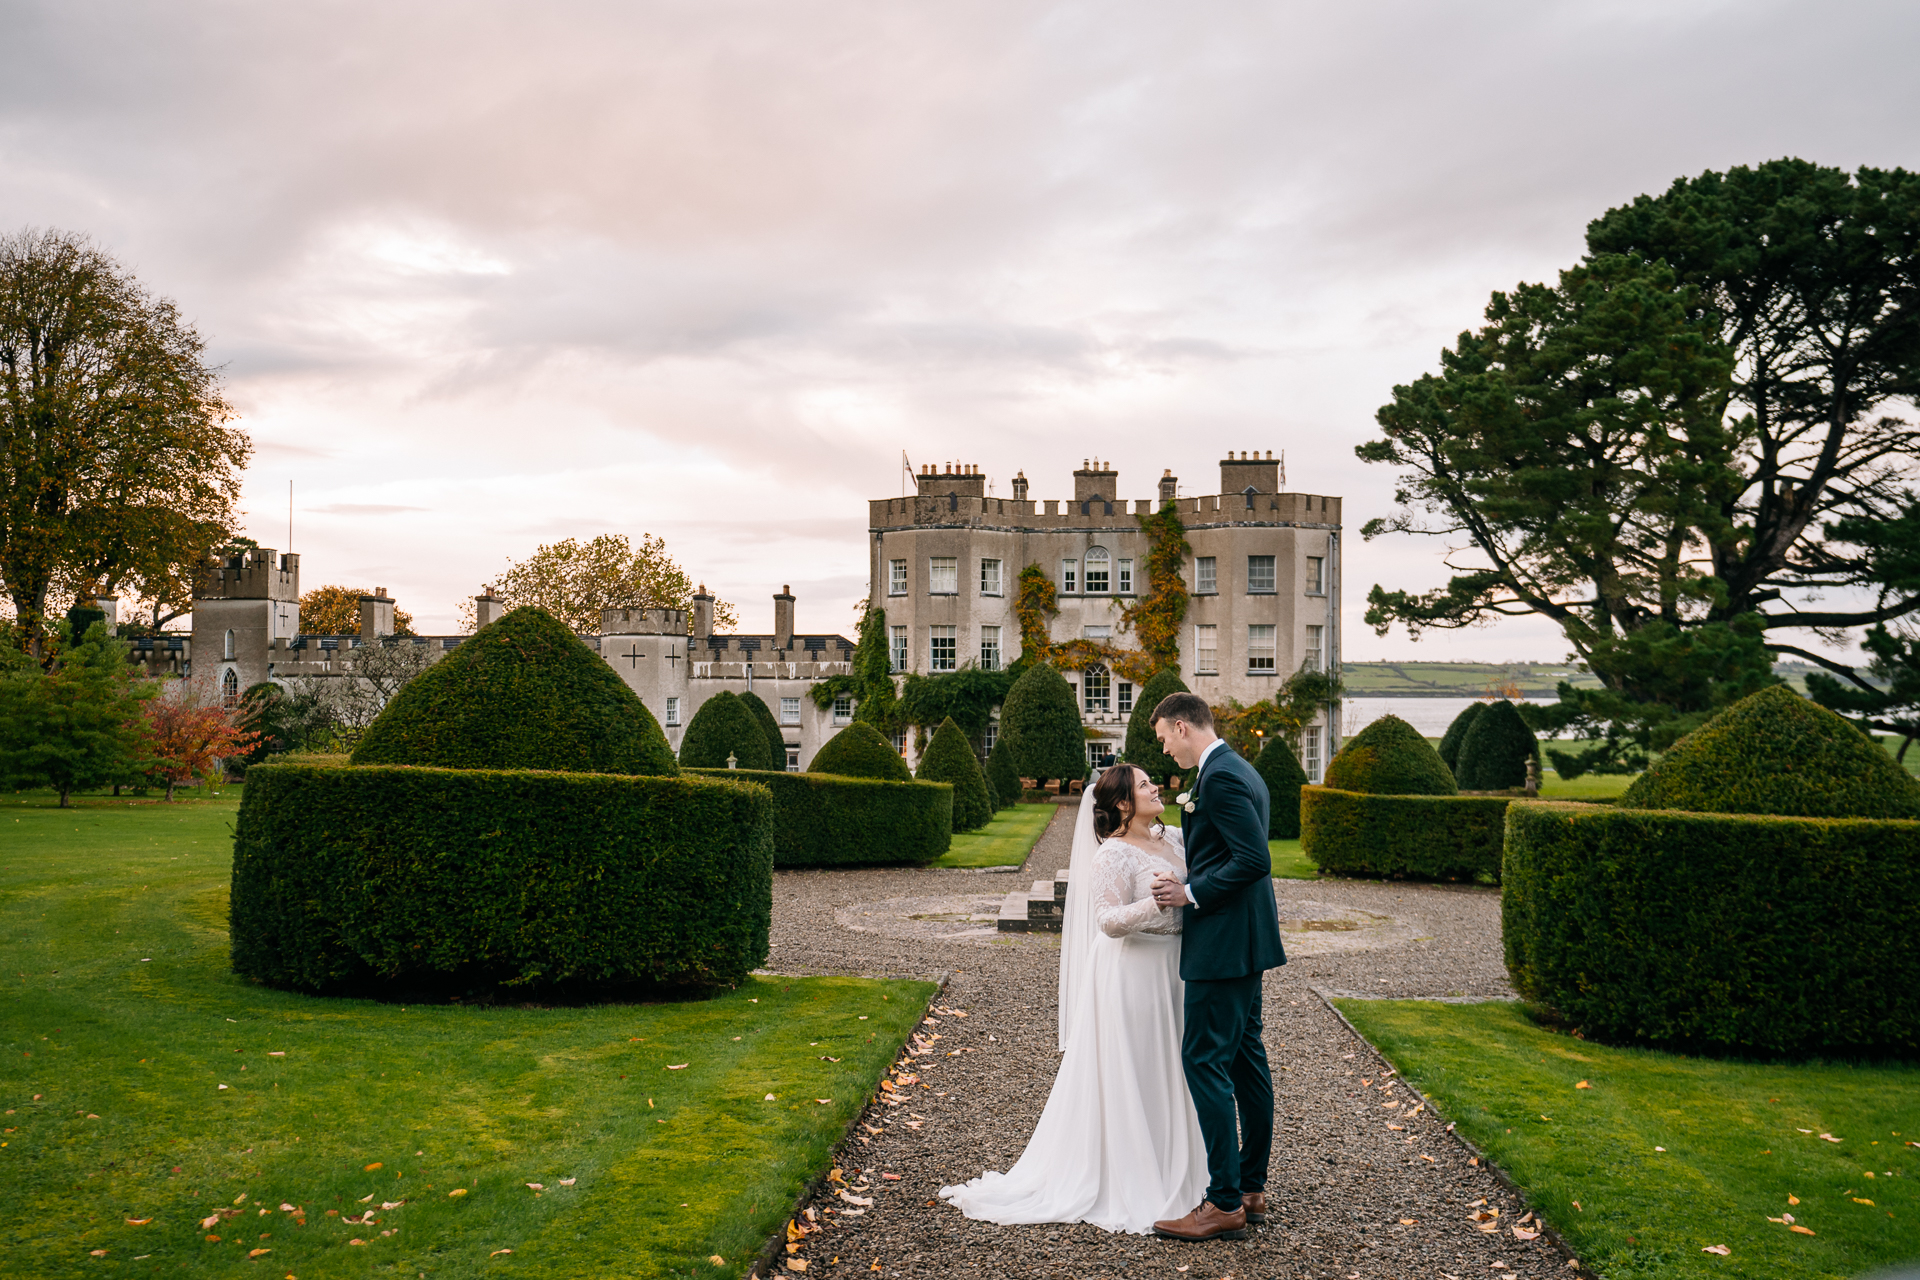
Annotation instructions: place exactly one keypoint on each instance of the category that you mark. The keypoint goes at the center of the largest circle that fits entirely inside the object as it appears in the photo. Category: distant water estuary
(1429, 715)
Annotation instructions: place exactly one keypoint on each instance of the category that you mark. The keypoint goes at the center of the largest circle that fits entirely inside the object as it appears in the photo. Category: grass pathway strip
(118, 1011)
(1661, 1156)
(1004, 842)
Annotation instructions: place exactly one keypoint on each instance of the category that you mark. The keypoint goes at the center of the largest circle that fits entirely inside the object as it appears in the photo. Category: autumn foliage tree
(575, 580)
(118, 471)
(334, 610)
(188, 739)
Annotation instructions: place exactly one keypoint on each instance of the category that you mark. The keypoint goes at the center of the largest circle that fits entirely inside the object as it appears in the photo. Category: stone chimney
(702, 613)
(1095, 479)
(962, 478)
(783, 619)
(376, 614)
(488, 607)
(1169, 486)
(1260, 474)
(1020, 486)
(109, 605)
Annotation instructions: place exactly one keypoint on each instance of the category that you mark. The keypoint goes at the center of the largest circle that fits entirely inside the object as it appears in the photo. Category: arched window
(1096, 690)
(229, 654)
(1097, 566)
(230, 688)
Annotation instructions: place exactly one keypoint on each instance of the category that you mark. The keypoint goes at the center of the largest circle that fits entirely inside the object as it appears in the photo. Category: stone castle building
(1264, 578)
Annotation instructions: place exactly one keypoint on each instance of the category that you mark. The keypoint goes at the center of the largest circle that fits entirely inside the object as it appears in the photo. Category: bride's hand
(1169, 891)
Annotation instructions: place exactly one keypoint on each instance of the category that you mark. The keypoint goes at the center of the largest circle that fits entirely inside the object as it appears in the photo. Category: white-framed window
(1205, 576)
(229, 654)
(673, 711)
(990, 648)
(899, 649)
(1313, 647)
(1099, 571)
(900, 741)
(896, 577)
(992, 735)
(943, 575)
(230, 687)
(1316, 575)
(1100, 634)
(989, 577)
(942, 649)
(1260, 575)
(1123, 577)
(1123, 698)
(1099, 752)
(1260, 655)
(1096, 691)
(793, 758)
(843, 709)
(789, 711)
(1311, 754)
(1206, 650)
(1069, 577)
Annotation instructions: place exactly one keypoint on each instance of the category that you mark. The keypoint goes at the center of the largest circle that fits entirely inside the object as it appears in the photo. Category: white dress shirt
(1198, 765)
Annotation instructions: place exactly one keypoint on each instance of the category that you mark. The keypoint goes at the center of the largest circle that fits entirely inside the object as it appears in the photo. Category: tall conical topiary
(763, 715)
(1143, 747)
(949, 758)
(1280, 769)
(722, 727)
(522, 692)
(1495, 751)
(1390, 758)
(1457, 733)
(1004, 778)
(1041, 723)
(858, 751)
(1775, 752)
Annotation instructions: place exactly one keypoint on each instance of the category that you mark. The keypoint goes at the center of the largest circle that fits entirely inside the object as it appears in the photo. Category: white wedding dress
(1118, 1144)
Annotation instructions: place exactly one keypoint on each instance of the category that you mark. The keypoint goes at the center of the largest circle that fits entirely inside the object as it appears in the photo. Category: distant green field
(1535, 680)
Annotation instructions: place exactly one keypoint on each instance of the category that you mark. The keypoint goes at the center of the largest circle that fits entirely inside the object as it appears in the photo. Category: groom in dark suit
(1231, 936)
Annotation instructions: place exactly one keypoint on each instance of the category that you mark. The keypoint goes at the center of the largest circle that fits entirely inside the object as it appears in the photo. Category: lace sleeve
(1118, 913)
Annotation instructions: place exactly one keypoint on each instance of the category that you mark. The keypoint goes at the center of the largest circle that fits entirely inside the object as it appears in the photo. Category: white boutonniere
(1185, 801)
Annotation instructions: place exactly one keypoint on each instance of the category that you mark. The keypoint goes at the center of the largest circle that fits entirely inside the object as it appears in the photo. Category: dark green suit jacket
(1235, 929)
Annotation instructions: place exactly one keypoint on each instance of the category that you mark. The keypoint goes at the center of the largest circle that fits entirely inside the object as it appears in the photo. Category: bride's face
(1146, 798)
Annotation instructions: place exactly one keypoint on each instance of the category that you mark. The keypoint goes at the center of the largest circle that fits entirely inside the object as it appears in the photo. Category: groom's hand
(1169, 892)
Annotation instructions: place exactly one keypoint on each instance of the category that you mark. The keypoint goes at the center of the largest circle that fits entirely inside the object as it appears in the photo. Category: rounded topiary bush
(949, 758)
(1495, 750)
(858, 751)
(724, 726)
(1775, 752)
(1280, 769)
(1390, 758)
(1040, 721)
(1143, 745)
(770, 727)
(1456, 733)
(520, 693)
(1002, 776)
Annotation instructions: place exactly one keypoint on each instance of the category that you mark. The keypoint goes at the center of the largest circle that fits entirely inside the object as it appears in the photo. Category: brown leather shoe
(1208, 1222)
(1254, 1205)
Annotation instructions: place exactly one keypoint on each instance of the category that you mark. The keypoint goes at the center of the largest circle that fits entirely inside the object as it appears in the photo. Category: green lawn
(1004, 842)
(121, 1024)
(1739, 1139)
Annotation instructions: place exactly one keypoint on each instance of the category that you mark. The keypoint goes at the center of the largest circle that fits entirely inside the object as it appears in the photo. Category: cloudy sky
(484, 276)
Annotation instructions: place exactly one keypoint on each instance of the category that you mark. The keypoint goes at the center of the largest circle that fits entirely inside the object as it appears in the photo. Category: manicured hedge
(1041, 722)
(1742, 934)
(1425, 837)
(1495, 750)
(370, 878)
(724, 725)
(1143, 744)
(827, 820)
(1775, 752)
(1390, 758)
(769, 727)
(520, 693)
(859, 751)
(1002, 776)
(1456, 734)
(1280, 769)
(949, 758)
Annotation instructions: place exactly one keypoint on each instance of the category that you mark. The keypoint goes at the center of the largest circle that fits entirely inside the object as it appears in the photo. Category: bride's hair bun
(1115, 785)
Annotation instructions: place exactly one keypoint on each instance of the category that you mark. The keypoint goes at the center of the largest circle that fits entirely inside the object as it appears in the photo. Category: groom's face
(1176, 739)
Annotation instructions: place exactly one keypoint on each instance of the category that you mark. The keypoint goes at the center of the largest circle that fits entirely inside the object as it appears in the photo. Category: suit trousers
(1226, 1069)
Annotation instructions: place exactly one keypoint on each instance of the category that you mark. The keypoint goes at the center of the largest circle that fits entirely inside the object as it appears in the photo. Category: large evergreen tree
(1495, 750)
(1143, 748)
(1003, 776)
(78, 725)
(1280, 769)
(949, 758)
(722, 727)
(763, 716)
(1041, 724)
(1457, 733)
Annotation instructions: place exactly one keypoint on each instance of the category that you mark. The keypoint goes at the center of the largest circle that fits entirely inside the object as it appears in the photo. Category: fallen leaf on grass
(356, 1242)
(1858, 1200)
(1659, 1148)
(567, 1182)
(1720, 1249)
(370, 1168)
(1830, 1138)
(1792, 1199)
(825, 1058)
(457, 1191)
(679, 1066)
(717, 1260)
(210, 1222)
(536, 1186)
(213, 1239)
(366, 1197)
(391, 1204)
(1805, 1231)
(824, 1101)
(770, 1098)
(497, 1252)
(276, 1053)
(1583, 1085)
(287, 1208)
(97, 1253)
(255, 1253)
(223, 1086)
(138, 1222)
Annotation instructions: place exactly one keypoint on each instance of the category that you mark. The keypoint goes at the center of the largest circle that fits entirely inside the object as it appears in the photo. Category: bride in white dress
(1118, 1144)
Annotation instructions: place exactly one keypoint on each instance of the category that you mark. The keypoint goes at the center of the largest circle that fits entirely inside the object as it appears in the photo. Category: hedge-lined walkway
(1343, 1180)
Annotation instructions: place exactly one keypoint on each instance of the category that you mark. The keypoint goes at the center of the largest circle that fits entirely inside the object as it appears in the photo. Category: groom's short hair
(1190, 707)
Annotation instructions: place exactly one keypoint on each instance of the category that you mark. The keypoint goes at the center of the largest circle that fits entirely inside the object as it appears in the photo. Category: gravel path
(1350, 1196)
